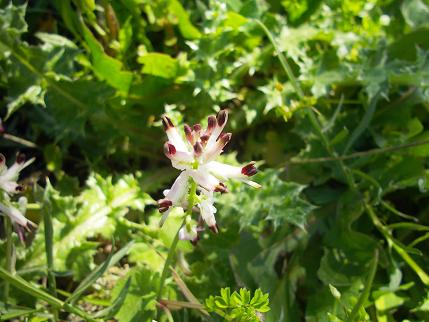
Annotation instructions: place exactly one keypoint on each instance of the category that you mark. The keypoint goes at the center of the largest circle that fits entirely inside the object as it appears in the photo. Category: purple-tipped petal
(198, 149)
(166, 122)
(213, 151)
(249, 169)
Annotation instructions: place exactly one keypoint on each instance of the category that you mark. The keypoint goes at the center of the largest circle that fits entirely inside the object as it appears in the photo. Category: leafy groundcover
(330, 98)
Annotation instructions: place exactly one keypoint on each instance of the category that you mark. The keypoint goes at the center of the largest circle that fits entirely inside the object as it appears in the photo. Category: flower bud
(249, 169)
(198, 149)
(166, 122)
(221, 118)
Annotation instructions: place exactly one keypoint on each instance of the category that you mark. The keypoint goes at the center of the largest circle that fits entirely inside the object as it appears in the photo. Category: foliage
(330, 98)
(239, 306)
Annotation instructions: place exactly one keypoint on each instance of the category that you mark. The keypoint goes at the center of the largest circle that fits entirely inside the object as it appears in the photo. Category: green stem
(365, 293)
(172, 250)
(310, 113)
(396, 246)
(28, 288)
(10, 265)
(49, 248)
(282, 60)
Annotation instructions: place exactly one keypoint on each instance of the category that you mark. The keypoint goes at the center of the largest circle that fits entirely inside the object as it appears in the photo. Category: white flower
(190, 234)
(196, 157)
(9, 185)
(16, 214)
(9, 176)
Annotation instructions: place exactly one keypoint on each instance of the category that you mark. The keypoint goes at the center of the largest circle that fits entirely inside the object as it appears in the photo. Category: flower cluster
(10, 187)
(195, 157)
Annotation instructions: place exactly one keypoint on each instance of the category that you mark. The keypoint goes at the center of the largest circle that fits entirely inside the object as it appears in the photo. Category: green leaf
(185, 25)
(278, 201)
(140, 300)
(98, 272)
(105, 67)
(110, 311)
(158, 64)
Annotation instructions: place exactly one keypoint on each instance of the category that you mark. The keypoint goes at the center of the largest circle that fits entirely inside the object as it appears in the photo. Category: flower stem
(172, 250)
(10, 265)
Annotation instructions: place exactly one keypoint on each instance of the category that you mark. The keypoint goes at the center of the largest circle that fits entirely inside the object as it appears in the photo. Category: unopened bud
(197, 128)
(214, 228)
(169, 149)
(224, 138)
(211, 124)
(221, 188)
(195, 241)
(188, 133)
(221, 117)
(198, 149)
(166, 122)
(249, 169)
(164, 204)
(20, 158)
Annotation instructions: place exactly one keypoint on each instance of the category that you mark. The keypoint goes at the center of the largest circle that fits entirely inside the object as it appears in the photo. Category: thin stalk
(359, 154)
(365, 293)
(19, 140)
(310, 113)
(172, 251)
(28, 288)
(396, 246)
(10, 262)
(49, 249)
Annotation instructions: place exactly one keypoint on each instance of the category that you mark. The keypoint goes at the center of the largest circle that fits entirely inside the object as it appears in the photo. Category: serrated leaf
(278, 201)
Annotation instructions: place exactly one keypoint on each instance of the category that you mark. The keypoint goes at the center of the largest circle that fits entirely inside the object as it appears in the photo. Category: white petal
(12, 173)
(175, 139)
(207, 212)
(204, 179)
(15, 215)
(224, 171)
(175, 194)
(185, 234)
(220, 124)
(179, 188)
(213, 151)
(9, 186)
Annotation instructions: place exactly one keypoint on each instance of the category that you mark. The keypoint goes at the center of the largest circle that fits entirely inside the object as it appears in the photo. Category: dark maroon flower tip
(204, 138)
(19, 188)
(169, 149)
(197, 128)
(198, 149)
(221, 117)
(188, 132)
(214, 228)
(20, 158)
(166, 122)
(224, 138)
(195, 241)
(164, 204)
(249, 169)
(211, 123)
(221, 188)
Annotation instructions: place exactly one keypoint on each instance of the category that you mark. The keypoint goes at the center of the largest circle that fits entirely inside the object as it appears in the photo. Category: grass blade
(117, 303)
(98, 272)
